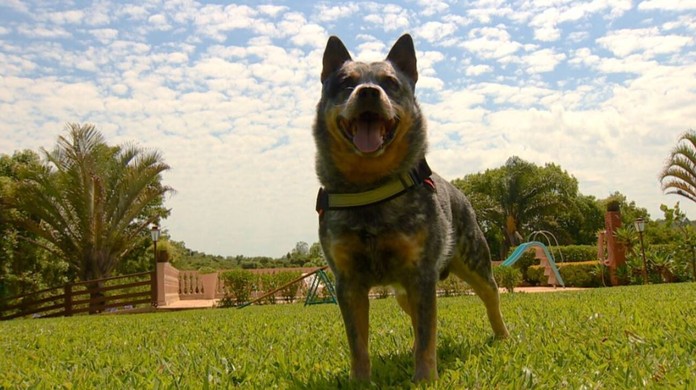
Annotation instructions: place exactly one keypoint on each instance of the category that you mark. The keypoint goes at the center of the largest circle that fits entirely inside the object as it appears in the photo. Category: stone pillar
(616, 252)
(167, 284)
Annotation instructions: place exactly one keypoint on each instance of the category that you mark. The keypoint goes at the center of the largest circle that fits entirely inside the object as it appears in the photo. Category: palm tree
(518, 198)
(679, 174)
(91, 202)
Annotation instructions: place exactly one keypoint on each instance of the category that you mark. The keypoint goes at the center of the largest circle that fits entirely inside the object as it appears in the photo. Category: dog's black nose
(368, 93)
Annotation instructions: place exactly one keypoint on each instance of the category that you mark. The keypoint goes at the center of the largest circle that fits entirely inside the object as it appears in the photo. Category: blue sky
(227, 93)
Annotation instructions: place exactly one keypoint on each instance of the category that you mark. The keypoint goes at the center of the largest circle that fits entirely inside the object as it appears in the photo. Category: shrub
(508, 277)
(239, 284)
(535, 275)
(267, 283)
(574, 253)
(206, 270)
(452, 286)
(289, 292)
(381, 292)
(578, 274)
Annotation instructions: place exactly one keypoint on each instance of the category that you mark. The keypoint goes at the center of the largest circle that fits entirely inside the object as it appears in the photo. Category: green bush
(289, 292)
(239, 284)
(535, 275)
(268, 282)
(578, 274)
(206, 270)
(452, 286)
(508, 277)
(381, 292)
(574, 253)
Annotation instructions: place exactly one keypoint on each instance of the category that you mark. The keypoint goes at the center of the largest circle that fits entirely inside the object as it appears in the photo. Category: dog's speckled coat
(369, 130)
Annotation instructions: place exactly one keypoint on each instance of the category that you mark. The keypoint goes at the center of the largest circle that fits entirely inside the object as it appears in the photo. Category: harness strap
(329, 201)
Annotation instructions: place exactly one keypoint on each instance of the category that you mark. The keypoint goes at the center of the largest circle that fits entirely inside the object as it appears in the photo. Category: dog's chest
(383, 244)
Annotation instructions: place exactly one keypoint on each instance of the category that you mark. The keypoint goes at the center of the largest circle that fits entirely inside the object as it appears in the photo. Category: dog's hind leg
(486, 288)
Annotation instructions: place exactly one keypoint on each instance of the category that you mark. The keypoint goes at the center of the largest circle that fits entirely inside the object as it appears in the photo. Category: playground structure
(541, 253)
(313, 297)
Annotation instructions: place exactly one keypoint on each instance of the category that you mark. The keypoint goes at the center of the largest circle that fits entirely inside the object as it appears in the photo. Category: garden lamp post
(155, 234)
(640, 227)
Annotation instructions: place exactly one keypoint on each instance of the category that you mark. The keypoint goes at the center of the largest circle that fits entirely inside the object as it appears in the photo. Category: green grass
(629, 337)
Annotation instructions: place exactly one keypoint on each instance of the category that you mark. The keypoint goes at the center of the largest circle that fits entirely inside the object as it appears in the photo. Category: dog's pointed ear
(335, 55)
(403, 56)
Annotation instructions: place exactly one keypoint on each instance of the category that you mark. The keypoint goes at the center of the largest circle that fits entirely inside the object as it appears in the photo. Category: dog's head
(368, 124)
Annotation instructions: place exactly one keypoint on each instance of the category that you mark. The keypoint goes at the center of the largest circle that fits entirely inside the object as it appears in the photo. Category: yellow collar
(389, 190)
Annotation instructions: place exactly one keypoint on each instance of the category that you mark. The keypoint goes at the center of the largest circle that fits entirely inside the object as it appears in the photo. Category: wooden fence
(102, 295)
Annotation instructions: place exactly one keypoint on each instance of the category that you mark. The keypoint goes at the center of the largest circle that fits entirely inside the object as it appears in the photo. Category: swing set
(313, 296)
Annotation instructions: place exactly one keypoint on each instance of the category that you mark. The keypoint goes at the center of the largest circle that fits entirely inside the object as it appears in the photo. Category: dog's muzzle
(368, 122)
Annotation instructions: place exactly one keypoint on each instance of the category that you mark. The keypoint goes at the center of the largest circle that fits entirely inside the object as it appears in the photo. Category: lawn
(628, 337)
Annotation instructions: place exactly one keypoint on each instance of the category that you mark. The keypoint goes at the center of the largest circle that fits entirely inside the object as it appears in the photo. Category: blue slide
(519, 251)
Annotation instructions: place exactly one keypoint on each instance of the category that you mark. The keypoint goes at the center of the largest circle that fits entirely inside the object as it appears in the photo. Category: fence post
(153, 288)
(68, 300)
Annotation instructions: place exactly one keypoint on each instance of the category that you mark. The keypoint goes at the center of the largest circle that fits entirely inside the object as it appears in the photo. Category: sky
(227, 93)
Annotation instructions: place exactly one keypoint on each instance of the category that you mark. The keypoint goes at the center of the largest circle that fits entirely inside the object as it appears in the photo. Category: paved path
(209, 303)
(544, 289)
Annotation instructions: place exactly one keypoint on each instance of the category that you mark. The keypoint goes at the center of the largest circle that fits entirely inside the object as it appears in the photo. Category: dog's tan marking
(399, 253)
(343, 250)
(407, 249)
(487, 291)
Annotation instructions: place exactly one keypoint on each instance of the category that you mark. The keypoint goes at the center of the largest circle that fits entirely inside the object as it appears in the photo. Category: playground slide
(520, 250)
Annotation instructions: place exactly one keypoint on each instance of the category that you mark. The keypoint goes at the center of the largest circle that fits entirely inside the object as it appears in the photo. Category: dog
(384, 217)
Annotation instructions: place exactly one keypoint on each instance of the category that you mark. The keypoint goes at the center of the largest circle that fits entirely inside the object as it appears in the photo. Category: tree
(518, 198)
(679, 174)
(91, 203)
(24, 267)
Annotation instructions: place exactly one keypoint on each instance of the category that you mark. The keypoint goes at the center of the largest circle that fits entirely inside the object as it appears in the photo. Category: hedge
(578, 274)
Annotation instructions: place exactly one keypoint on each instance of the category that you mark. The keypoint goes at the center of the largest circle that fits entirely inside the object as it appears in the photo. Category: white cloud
(215, 21)
(16, 5)
(584, 56)
(544, 60)
(64, 17)
(329, 13)
(388, 17)
(491, 42)
(159, 22)
(104, 35)
(432, 7)
(272, 10)
(137, 12)
(477, 70)
(43, 32)
(485, 10)
(545, 25)
(667, 5)
(435, 31)
(647, 41)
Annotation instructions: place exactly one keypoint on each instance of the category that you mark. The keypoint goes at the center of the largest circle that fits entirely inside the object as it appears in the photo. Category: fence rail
(127, 291)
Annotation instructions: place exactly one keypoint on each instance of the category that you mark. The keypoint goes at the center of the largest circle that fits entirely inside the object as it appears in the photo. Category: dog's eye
(347, 83)
(390, 84)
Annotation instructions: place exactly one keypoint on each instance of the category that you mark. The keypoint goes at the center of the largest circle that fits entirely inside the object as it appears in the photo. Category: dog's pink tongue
(368, 136)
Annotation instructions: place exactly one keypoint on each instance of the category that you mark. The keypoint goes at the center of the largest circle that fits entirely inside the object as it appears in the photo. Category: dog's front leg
(354, 303)
(422, 299)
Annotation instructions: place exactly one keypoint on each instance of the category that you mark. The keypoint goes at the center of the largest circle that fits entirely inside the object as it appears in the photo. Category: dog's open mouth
(369, 131)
